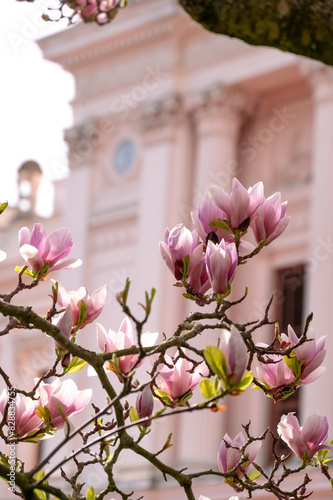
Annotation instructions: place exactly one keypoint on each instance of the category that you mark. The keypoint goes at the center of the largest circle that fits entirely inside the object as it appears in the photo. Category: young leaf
(186, 264)
(208, 388)
(222, 224)
(82, 313)
(293, 364)
(245, 382)
(215, 359)
(75, 365)
(254, 475)
(3, 206)
(133, 414)
(90, 494)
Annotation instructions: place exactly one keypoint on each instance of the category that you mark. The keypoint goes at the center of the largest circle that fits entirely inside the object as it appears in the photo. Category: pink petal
(60, 244)
(32, 257)
(24, 236)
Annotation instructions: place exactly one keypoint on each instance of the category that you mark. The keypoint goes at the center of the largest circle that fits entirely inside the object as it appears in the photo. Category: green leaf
(185, 398)
(293, 364)
(245, 382)
(188, 296)
(208, 388)
(82, 313)
(43, 271)
(4, 459)
(43, 413)
(215, 359)
(75, 365)
(168, 442)
(40, 494)
(186, 264)
(90, 494)
(39, 475)
(133, 414)
(222, 224)
(254, 475)
(163, 396)
(27, 271)
(3, 206)
(122, 296)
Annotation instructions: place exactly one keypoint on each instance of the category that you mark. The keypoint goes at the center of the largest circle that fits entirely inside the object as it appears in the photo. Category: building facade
(164, 109)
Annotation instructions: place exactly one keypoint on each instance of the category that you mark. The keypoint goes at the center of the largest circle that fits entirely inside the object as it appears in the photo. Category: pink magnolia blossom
(276, 375)
(270, 219)
(240, 204)
(304, 441)
(229, 456)
(123, 339)
(23, 413)
(235, 354)
(65, 395)
(89, 9)
(94, 303)
(179, 243)
(208, 212)
(145, 404)
(310, 355)
(38, 249)
(179, 380)
(221, 262)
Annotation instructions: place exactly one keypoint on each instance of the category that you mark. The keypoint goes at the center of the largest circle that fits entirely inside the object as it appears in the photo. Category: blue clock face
(124, 157)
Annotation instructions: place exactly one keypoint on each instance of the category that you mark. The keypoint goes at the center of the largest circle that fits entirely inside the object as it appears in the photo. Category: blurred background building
(162, 110)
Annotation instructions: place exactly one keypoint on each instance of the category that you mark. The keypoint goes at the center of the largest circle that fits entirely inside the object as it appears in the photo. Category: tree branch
(296, 26)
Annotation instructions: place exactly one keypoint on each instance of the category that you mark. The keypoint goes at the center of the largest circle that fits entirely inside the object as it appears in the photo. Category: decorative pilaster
(218, 113)
(320, 261)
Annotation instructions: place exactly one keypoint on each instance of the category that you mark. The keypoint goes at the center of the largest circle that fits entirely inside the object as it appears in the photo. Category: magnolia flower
(209, 212)
(276, 376)
(270, 219)
(123, 339)
(310, 355)
(235, 355)
(240, 204)
(221, 263)
(178, 381)
(145, 404)
(304, 441)
(94, 304)
(64, 323)
(229, 456)
(38, 249)
(23, 414)
(89, 9)
(179, 243)
(61, 399)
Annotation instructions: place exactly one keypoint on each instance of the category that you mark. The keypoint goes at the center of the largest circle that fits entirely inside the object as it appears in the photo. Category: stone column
(320, 262)
(218, 114)
(162, 189)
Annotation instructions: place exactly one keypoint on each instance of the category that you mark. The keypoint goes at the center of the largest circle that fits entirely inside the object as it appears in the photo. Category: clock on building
(124, 157)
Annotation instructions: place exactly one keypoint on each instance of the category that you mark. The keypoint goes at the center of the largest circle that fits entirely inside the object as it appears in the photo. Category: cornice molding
(127, 40)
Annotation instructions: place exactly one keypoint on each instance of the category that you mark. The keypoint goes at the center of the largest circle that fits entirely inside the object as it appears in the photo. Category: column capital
(220, 99)
(80, 142)
(320, 78)
(162, 113)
